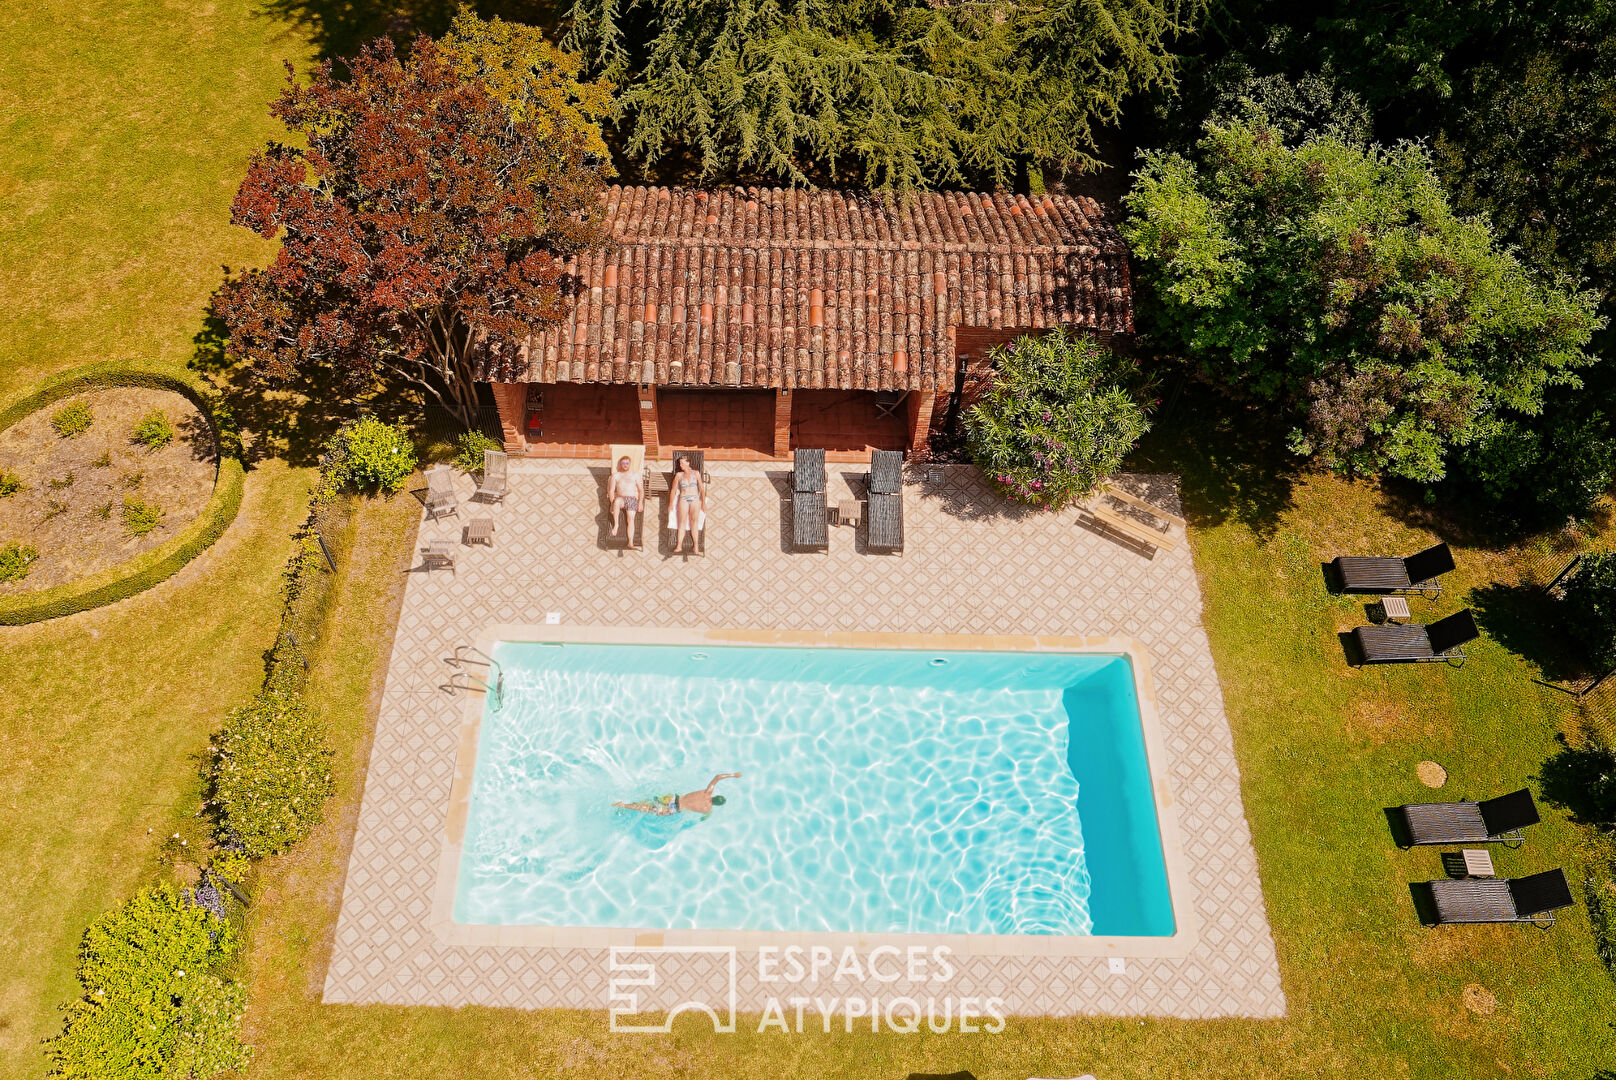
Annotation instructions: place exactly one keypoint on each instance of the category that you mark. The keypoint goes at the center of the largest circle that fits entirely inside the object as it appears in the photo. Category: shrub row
(153, 1005)
(147, 569)
(271, 772)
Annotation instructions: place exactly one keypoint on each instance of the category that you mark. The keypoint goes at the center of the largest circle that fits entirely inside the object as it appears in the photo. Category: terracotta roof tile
(788, 288)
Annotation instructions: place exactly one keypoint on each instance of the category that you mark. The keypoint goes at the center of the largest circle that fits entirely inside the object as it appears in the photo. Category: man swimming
(695, 802)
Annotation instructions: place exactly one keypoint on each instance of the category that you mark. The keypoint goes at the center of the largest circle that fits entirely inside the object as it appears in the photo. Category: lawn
(126, 126)
(124, 129)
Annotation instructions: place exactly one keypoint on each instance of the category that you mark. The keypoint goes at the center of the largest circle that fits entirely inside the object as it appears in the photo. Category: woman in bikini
(691, 496)
(627, 492)
(692, 802)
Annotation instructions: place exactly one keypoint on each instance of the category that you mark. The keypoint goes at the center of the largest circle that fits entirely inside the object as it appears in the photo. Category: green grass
(124, 129)
(107, 716)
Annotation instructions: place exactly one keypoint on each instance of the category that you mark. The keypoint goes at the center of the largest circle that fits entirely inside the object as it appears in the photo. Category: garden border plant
(147, 569)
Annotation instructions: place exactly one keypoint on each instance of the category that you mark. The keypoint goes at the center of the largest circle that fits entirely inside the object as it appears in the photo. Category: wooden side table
(849, 512)
(1395, 607)
(480, 531)
(1477, 862)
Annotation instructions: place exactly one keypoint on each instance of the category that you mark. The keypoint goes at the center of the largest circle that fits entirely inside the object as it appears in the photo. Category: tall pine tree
(895, 94)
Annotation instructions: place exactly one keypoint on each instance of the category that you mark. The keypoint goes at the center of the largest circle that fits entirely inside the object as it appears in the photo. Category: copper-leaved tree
(426, 220)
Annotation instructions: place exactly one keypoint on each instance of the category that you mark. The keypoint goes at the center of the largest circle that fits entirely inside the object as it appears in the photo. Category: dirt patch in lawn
(72, 508)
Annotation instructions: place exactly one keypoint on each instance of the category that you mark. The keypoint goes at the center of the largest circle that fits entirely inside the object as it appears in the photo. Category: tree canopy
(1336, 280)
(891, 93)
(427, 216)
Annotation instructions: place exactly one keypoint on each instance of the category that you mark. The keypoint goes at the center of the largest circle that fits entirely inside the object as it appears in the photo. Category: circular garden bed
(112, 477)
(93, 498)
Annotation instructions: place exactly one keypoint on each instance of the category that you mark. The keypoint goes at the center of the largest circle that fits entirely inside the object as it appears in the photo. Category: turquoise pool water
(882, 791)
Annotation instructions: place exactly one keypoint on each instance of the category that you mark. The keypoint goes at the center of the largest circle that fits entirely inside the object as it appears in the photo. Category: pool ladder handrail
(498, 687)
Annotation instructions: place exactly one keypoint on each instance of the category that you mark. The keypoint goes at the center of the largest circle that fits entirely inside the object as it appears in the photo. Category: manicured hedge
(143, 571)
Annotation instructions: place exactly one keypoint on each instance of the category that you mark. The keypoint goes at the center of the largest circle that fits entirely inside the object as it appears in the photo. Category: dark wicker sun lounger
(1417, 573)
(885, 517)
(810, 525)
(886, 472)
(1493, 821)
(1532, 899)
(698, 460)
(884, 484)
(1417, 644)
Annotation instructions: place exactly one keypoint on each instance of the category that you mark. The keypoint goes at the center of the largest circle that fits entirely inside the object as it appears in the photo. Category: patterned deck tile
(973, 564)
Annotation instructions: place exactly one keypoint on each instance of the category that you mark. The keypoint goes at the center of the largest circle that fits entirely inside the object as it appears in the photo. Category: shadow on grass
(291, 422)
(1524, 620)
(340, 27)
(1232, 461)
(1582, 780)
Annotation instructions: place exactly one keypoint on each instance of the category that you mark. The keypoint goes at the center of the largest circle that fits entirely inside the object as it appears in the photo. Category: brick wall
(510, 399)
(649, 433)
(782, 423)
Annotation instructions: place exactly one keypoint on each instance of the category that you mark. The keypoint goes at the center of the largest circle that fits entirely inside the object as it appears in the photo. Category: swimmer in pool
(695, 802)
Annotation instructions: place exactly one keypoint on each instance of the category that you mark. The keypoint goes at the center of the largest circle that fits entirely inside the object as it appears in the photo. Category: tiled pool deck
(973, 565)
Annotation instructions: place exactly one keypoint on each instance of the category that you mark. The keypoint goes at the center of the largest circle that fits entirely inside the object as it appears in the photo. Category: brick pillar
(920, 404)
(648, 422)
(511, 398)
(782, 423)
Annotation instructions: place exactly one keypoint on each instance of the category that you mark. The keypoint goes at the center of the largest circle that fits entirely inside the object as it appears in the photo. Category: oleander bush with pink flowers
(1059, 416)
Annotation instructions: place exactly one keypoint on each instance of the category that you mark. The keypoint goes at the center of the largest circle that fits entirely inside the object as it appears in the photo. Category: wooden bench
(1131, 527)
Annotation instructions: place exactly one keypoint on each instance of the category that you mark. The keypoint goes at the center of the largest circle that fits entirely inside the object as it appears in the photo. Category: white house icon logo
(637, 969)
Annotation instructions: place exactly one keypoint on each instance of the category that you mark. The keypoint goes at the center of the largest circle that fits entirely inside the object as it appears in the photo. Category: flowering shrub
(1057, 419)
(368, 455)
(152, 1006)
(271, 773)
(14, 560)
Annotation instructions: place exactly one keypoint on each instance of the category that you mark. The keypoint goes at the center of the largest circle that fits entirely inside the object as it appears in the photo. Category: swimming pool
(882, 791)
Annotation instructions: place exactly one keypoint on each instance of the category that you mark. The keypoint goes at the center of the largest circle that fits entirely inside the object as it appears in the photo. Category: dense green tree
(1518, 102)
(1588, 610)
(1532, 146)
(892, 93)
(1336, 281)
(1517, 98)
(1541, 470)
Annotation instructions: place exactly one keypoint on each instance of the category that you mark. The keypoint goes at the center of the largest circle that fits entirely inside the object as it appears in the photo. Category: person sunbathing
(690, 501)
(694, 802)
(627, 492)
